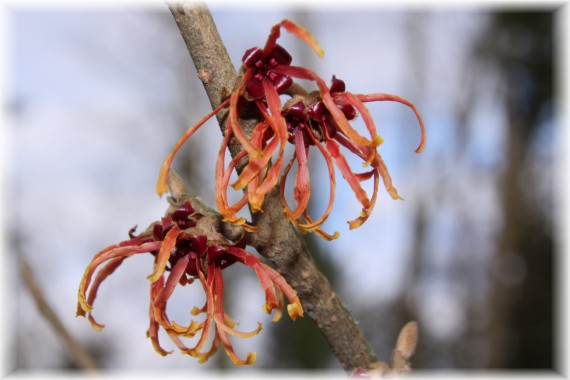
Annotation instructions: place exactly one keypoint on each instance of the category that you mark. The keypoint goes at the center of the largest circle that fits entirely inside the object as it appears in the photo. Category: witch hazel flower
(322, 119)
(263, 77)
(313, 122)
(186, 251)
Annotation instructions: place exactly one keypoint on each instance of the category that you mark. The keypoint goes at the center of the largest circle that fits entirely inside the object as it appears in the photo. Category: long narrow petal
(221, 184)
(383, 170)
(274, 103)
(302, 73)
(295, 29)
(161, 298)
(221, 324)
(333, 148)
(233, 122)
(254, 166)
(218, 288)
(337, 114)
(313, 225)
(158, 315)
(365, 214)
(254, 263)
(295, 309)
(222, 179)
(377, 163)
(105, 272)
(165, 169)
(316, 230)
(366, 117)
(164, 254)
(343, 123)
(302, 189)
(283, 183)
(152, 331)
(255, 201)
(102, 256)
(207, 283)
(395, 98)
(222, 319)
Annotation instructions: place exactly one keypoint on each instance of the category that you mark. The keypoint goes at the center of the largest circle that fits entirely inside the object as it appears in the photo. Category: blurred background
(97, 97)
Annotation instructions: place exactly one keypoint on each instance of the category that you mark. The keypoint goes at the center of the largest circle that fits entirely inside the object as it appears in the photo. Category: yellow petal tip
(377, 140)
(251, 358)
(295, 310)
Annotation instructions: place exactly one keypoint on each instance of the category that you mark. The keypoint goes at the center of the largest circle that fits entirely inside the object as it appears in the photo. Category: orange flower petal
(102, 256)
(280, 128)
(302, 189)
(313, 225)
(294, 308)
(347, 173)
(165, 168)
(395, 98)
(105, 272)
(164, 254)
(233, 122)
(295, 29)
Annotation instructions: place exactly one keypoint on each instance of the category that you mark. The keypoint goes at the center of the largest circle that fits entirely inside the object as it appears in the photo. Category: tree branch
(276, 238)
(81, 356)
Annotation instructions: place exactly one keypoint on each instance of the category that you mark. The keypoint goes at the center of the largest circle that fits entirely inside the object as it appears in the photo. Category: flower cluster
(321, 119)
(186, 249)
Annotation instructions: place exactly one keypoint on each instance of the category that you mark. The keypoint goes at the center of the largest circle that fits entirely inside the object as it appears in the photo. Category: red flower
(180, 246)
(321, 118)
(264, 75)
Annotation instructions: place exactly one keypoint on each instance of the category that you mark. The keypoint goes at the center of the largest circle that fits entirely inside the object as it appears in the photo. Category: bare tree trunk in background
(520, 333)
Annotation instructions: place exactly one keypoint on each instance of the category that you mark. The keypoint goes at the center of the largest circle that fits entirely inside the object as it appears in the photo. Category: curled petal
(280, 127)
(161, 297)
(347, 173)
(165, 169)
(395, 98)
(254, 166)
(295, 29)
(230, 330)
(152, 331)
(295, 309)
(155, 290)
(313, 226)
(221, 185)
(383, 170)
(104, 255)
(233, 118)
(316, 230)
(365, 213)
(343, 124)
(366, 117)
(303, 73)
(219, 314)
(282, 185)
(302, 190)
(208, 284)
(187, 331)
(164, 254)
(105, 272)
(269, 280)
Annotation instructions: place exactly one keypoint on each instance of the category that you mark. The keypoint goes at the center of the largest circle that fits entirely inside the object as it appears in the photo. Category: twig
(82, 357)
(276, 238)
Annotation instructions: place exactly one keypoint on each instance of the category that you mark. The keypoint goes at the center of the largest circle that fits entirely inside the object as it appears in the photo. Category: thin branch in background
(82, 357)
